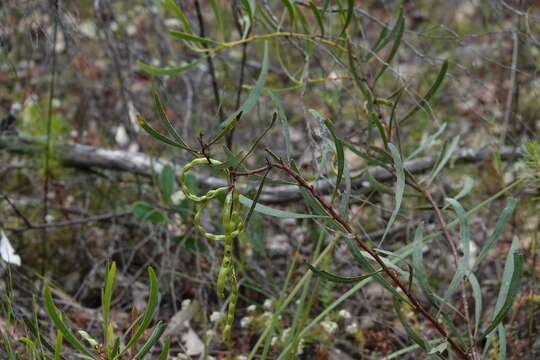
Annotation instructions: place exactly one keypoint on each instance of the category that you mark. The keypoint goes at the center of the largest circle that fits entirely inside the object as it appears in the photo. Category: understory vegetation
(245, 179)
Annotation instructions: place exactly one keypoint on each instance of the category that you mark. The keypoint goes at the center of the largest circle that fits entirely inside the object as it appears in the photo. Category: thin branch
(85, 156)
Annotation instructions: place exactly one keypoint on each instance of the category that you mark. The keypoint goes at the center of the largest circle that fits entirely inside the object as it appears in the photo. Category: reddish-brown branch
(364, 246)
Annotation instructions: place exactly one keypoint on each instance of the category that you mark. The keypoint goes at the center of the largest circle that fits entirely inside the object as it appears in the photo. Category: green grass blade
(59, 323)
(165, 352)
(149, 313)
(152, 340)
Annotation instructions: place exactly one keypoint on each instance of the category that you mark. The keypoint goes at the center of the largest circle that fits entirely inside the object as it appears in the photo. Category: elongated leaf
(509, 295)
(346, 196)
(340, 279)
(400, 187)
(350, 11)
(256, 198)
(150, 130)
(417, 338)
(318, 17)
(502, 341)
(152, 340)
(445, 156)
(179, 14)
(338, 147)
(430, 139)
(106, 295)
(463, 265)
(167, 123)
(166, 182)
(267, 210)
(284, 123)
(59, 323)
(477, 295)
(432, 90)
(370, 159)
(397, 32)
(148, 314)
(290, 11)
(254, 95)
(232, 162)
(381, 42)
(165, 352)
(418, 265)
(170, 71)
(191, 37)
(363, 262)
(468, 183)
(501, 223)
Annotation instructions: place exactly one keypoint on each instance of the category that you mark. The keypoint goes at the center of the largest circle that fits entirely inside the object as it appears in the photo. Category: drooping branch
(85, 156)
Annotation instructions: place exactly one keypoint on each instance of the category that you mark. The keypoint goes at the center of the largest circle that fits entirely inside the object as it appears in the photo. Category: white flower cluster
(329, 326)
(344, 314)
(246, 320)
(216, 316)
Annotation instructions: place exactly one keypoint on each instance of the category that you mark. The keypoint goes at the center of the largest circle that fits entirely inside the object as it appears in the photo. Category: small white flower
(131, 30)
(210, 333)
(216, 316)
(246, 320)
(273, 341)
(344, 314)
(251, 309)
(173, 22)
(267, 304)
(285, 334)
(49, 219)
(352, 329)
(114, 26)
(186, 303)
(329, 326)
(177, 197)
(300, 348)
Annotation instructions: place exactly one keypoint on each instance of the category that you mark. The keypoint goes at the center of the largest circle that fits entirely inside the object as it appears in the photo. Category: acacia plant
(331, 47)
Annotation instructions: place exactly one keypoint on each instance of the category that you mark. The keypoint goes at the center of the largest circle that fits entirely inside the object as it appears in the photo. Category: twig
(85, 156)
(211, 69)
(70, 222)
(363, 245)
(49, 128)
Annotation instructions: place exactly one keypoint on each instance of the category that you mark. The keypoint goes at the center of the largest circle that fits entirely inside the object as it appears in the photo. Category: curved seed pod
(185, 189)
(229, 320)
